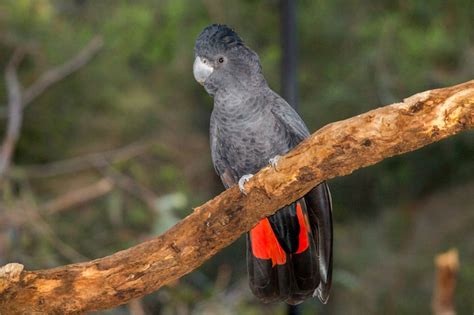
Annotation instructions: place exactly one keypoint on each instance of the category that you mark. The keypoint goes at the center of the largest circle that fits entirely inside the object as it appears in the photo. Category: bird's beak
(201, 70)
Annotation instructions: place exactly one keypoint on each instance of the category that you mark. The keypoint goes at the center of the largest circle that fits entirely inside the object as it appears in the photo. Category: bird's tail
(285, 256)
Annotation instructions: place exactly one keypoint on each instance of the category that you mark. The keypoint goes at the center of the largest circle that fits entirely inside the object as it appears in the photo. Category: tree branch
(80, 163)
(337, 149)
(78, 196)
(447, 267)
(17, 100)
(58, 73)
(15, 112)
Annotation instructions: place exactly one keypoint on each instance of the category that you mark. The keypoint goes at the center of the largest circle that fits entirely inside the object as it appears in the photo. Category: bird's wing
(289, 118)
(225, 172)
(318, 200)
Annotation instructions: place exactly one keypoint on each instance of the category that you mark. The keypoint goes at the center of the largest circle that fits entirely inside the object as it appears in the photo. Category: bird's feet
(242, 182)
(274, 162)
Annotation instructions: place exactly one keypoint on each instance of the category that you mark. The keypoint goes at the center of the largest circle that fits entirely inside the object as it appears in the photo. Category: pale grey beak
(201, 70)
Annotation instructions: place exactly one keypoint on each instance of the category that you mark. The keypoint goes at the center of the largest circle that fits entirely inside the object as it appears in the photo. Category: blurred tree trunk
(288, 72)
(289, 48)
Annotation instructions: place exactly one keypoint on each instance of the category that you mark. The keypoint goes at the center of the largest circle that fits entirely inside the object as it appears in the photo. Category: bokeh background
(117, 151)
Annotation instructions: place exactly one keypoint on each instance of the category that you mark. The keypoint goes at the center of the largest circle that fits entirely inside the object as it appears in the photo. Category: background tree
(119, 128)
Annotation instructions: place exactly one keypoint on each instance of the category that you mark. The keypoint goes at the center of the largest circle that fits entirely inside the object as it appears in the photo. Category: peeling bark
(337, 149)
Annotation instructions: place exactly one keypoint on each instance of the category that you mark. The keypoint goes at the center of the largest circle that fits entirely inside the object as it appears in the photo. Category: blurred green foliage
(353, 56)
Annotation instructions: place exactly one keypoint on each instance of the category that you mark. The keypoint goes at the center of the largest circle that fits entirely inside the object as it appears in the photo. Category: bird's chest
(246, 145)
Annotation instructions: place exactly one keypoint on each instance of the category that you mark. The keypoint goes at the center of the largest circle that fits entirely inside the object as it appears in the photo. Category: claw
(242, 182)
(274, 162)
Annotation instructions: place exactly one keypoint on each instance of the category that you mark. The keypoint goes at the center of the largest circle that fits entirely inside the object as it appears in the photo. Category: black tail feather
(320, 215)
(304, 273)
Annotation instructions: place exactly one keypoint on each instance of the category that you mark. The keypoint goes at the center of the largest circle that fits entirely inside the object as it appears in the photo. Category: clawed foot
(274, 162)
(242, 182)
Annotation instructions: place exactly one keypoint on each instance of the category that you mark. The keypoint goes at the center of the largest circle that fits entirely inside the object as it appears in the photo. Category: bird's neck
(238, 93)
(240, 105)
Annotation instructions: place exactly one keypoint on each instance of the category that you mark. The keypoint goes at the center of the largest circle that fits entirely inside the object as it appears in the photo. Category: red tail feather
(303, 240)
(265, 244)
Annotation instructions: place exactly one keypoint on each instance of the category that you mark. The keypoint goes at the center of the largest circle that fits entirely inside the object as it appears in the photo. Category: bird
(289, 254)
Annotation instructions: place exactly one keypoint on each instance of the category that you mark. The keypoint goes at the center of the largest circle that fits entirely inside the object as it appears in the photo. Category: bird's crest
(217, 37)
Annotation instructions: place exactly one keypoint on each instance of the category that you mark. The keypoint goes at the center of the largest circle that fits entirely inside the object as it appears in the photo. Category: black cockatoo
(289, 254)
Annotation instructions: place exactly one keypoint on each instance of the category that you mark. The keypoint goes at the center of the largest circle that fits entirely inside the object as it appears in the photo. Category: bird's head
(224, 62)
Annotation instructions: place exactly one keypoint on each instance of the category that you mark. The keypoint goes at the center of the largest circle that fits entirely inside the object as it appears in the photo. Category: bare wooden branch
(70, 199)
(17, 99)
(96, 160)
(39, 226)
(58, 73)
(335, 150)
(134, 188)
(447, 266)
(78, 196)
(15, 112)
(54, 75)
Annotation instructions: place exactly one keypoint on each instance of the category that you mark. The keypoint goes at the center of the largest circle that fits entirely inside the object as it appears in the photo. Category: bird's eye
(221, 60)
